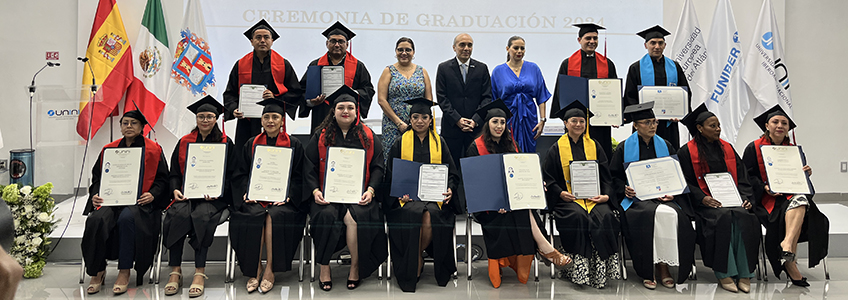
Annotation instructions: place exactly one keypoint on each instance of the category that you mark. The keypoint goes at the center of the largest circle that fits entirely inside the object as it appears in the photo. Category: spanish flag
(110, 60)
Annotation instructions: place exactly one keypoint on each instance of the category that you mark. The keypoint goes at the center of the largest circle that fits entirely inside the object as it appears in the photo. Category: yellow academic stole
(407, 142)
(565, 158)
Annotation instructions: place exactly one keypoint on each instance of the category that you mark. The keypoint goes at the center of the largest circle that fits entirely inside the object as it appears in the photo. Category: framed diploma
(585, 179)
(605, 102)
(345, 175)
(785, 170)
(121, 174)
(432, 182)
(654, 178)
(669, 101)
(524, 184)
(249, 95)
(332, 78)
(269, 174)
(723, 188)
(204, 170)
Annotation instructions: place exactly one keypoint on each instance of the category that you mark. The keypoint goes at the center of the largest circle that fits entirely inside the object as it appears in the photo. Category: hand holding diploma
(566, 196)
(319, 197)
(96, 200)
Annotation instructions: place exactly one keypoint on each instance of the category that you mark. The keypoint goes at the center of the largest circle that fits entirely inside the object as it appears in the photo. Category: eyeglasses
(402, 50)
(335, 41)
(207, 117)
(650, 123)
(128, 123)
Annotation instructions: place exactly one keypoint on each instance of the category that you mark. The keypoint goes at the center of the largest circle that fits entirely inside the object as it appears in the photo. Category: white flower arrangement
(32, 210)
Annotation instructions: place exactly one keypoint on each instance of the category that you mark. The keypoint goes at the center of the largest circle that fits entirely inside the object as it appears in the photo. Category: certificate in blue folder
(572, 89)
(485, 186)
(313, 82)
(405, 178)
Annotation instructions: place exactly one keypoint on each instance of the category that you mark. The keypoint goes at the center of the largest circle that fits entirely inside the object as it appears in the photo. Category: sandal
(558, 259)
(252, 284)
(326, 285)
(196, 290)
(174, 286)
(649, 284)
(353, 284)
(668, 282)
(94, 288)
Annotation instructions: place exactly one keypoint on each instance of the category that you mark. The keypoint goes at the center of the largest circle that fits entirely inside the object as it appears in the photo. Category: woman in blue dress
(399, 82)
(518, 83)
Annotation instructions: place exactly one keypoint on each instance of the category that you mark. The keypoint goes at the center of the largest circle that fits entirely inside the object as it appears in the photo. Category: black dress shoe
(802, 283)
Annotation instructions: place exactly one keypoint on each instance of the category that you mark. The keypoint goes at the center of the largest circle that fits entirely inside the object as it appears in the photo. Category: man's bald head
(462, 45)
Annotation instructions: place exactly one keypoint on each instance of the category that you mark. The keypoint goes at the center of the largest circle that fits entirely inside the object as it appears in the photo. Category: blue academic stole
(631, 154)
(646, 71)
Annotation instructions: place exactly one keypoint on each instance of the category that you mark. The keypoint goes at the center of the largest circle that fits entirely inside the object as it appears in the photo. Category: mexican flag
(151, 62)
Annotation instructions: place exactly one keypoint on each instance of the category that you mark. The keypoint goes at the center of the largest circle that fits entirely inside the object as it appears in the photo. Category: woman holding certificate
(728, 230)
(188, 214)
(117, 228)
(512, 238)
(425, 224)
(585, 220)
(788, 218)
(274, 221)
(658, 229)
(356, 222)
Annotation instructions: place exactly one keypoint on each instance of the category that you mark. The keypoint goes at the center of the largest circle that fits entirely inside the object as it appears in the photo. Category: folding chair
(230, 257)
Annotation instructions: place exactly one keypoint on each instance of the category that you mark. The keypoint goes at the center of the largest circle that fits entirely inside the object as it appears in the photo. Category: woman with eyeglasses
(521, 86)
(399, 82)
(195, 218)
(125, 232)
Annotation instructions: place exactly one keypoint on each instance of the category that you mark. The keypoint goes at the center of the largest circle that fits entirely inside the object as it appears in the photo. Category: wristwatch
(544, 119)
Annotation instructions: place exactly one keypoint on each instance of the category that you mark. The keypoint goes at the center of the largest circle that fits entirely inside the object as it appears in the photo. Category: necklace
(516, 68)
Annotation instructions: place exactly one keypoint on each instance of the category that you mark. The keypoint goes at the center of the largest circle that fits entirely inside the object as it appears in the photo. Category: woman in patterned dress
(399, 82)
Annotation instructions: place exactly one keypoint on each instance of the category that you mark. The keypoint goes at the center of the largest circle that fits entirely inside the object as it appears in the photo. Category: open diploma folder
(601, 96)
(656, 177)
(407, 179)
(503, 181)
(323, 80)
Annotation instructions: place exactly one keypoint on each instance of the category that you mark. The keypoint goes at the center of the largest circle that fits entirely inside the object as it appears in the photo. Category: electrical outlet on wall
(843, 166)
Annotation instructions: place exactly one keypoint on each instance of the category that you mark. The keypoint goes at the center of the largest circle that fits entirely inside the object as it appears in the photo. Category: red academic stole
(278, 70)
(481, 146)
(701, 168)
(767, 200)
(190, 138)
(152, 153)
(576, 60)
(322, 154)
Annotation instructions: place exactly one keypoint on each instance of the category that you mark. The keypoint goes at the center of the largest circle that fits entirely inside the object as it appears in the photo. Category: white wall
(814, 34)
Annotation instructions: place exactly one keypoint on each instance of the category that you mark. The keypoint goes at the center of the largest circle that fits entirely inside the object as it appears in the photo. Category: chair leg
(536, 267)
(694, 274)
(154, 271)
(229, 272)
(389, 260)
(312, 259)
(468, 246)
(302, 248)
(763, 258)
(455, 263)
(82, 271)
(551, 240)
(826, 272)
(622, 267)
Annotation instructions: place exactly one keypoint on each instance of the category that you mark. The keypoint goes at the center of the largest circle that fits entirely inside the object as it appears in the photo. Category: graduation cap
(421, 106)
(345, 94)
(654, 32)
(206, 104)
(493, 109)
(638, 112)
(587, 28)
(575, 109)
(273, 105)
(339, 29)
(135, 114)
(262, 24)
(697, 116)
(766, 116)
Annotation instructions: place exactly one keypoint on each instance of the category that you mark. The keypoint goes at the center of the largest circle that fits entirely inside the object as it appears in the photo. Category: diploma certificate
(332, 78)
(249, 95)
(585, 179)
(723, 188)
(785, 170)
(605, 101)
(657, 177)
(269, 174)
(121, 174)
(204, 170)
(669, 101)
(432, 182)
(524, 185)
(345, 175)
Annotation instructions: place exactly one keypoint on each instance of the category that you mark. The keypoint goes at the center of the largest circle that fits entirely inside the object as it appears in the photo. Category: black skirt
(100, 238)
(510, 233)
(404, 235)
(328, 228)
(579, 229)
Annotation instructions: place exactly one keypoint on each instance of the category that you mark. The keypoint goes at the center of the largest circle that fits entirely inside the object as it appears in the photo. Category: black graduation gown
(588, 69)
(509, 233)
(361, 84)
(578, 229)
(100, 239)
(327, 221)
(248, 219)
(638, 221)
(249, 127)
(714, 223)
(197, 218)
(668, 130)
(814, 230)
(405, 221)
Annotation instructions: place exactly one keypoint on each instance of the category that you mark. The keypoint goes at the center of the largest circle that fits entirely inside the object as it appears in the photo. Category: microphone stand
(32, 94)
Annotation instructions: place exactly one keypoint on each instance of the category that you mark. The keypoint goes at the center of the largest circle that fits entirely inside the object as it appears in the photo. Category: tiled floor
(61, 282)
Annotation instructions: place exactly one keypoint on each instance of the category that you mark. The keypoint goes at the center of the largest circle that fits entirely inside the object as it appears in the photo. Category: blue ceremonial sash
(631, 154)
(646, 71)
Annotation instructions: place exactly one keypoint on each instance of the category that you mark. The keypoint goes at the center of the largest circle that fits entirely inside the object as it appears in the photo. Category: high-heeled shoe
(325, 285)
(668, 282)
(353, 284)
(119, 289)
(252, 285)
(728, 284)
(649, 284)
(94, 288)
(786, 256)
(266, 286)
(196, 290)
(744, 285)
(558, 259)
(802, 283)
(174, 286)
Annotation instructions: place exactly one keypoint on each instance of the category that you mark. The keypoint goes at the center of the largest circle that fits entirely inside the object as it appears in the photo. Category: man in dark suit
(462, 86)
